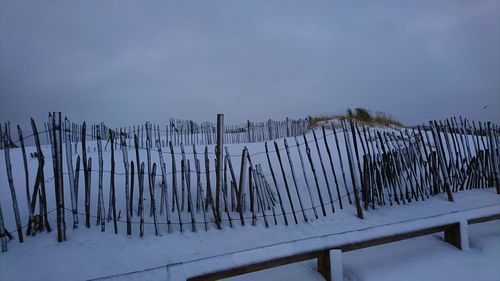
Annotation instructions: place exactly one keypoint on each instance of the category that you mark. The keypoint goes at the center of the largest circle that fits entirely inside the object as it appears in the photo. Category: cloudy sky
(125, 62)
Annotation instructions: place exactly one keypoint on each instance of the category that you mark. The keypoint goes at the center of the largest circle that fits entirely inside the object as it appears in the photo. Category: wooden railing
(326, 249)
(454, 226)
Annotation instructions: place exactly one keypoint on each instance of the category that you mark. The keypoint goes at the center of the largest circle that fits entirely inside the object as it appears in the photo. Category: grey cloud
(126, 62)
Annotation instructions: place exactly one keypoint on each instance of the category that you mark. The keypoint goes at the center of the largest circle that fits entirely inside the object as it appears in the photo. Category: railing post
(323, 263)
(330, 265)
(457, 235)
(337, 273)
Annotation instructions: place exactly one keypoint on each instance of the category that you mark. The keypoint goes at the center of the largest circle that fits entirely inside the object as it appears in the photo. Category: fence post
(56, 132)
(248, 131)
(219, 154)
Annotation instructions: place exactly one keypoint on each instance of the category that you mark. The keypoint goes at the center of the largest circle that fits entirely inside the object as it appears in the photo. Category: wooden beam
(322, 256)
(452, 235)
(255, 267)
(484, 219)
(391, 238)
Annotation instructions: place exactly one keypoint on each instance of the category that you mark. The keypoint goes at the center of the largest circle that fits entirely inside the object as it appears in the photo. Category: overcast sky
(126, 62)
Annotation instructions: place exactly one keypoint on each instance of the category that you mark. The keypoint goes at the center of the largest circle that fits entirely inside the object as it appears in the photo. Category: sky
(127, 62)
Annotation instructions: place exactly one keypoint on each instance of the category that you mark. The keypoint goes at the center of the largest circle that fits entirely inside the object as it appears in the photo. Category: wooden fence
(352, 166)
(180, 131)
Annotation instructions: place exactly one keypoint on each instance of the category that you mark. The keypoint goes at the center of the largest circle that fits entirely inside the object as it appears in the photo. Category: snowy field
(422, 258)
(90, 253)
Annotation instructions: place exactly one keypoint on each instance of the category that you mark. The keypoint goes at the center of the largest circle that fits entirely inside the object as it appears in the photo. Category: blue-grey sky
(125, 62)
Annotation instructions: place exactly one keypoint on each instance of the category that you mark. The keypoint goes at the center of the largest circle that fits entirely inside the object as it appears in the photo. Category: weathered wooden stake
(241, 186)
(71, 176)
(140, 207)
(56, 137)
(175, 198)
(3, 232)
(324, 172)
(101, 212)
(294, 180)
(318, 190)
(305, 177)
(164, 198)
(152, 195)
(341, 163)
(123, 142)
(285, 182)
(331, 165)
(189, 197)
(219, 158)
(12, 189)
(26, 176)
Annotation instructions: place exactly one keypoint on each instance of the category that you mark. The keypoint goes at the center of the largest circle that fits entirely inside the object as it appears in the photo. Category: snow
(464, 235)
(428, 258)
(417, 259)
(90, 253)
(337, 271)
(183, 270)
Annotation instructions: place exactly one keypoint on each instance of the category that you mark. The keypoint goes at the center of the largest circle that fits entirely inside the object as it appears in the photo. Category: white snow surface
(417, 259)
(90, 253)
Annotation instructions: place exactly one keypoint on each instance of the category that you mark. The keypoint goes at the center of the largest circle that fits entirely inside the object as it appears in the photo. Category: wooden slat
(484, 219)
(256, 267)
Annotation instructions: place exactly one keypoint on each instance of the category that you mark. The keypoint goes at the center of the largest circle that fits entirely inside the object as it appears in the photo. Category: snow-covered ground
(90, 253)
(422, 258)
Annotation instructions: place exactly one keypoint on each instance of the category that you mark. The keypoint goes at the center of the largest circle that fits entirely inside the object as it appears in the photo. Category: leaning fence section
(138, 181)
